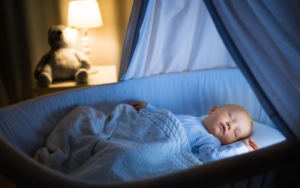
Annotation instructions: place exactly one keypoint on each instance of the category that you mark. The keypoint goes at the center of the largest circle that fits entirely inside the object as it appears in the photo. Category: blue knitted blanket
(121, 146)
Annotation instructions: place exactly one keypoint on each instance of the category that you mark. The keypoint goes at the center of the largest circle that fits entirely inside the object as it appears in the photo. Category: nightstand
(98, 75)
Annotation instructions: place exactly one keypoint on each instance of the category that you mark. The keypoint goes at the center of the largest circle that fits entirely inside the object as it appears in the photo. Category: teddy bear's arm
(83, 59)
(40, 65)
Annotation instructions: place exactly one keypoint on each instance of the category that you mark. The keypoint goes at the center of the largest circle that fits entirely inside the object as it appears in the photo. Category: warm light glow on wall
(84, 14)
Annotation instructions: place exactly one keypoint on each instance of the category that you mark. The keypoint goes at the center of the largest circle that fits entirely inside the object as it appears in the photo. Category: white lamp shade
(84, 14)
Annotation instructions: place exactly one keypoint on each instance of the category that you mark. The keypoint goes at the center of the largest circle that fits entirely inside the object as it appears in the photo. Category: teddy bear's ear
(51, 28)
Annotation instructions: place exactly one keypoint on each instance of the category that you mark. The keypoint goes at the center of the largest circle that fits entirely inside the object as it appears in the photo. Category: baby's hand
(138, 105)
(250, 144)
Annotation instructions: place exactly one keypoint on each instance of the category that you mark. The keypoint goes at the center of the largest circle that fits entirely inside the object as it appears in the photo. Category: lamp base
(86, 44)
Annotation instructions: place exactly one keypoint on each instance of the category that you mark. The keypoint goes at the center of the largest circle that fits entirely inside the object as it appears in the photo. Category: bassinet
(25, 126)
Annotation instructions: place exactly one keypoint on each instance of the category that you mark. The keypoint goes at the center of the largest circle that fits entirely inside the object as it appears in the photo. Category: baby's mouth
(223, 127)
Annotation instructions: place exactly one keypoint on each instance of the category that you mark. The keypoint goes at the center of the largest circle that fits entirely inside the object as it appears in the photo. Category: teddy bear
(62, 61)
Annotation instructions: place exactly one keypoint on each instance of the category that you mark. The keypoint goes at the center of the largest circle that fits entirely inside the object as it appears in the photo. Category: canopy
(177, 39)
(262, 37)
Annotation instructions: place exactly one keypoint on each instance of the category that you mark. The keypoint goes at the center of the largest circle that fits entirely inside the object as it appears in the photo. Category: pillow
(263, 135)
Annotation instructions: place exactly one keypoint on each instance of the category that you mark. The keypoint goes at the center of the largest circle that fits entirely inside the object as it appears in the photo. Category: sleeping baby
(212, 138)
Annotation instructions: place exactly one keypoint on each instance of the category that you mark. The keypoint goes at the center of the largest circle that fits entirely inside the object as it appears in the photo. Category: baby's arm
(209, 148)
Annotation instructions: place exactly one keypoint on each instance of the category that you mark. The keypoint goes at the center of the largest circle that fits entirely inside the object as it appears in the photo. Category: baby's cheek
(229, 139)
(224, 140)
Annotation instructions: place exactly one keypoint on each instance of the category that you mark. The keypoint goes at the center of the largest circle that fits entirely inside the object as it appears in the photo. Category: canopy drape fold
(178, 39)
(266, 34)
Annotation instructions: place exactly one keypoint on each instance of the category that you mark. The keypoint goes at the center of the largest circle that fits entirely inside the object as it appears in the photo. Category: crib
(24, 127)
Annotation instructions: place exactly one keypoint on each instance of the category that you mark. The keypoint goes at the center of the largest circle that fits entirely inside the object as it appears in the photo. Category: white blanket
(121, 146)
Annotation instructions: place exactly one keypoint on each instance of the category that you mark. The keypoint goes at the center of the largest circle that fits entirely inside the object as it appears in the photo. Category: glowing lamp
(84, 14)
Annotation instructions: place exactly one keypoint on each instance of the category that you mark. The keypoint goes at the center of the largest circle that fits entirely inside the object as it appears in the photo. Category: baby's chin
(227, 142)
(224, 141)
(219, 138)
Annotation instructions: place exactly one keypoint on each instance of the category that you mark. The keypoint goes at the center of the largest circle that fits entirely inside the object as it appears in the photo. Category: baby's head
(228, 123)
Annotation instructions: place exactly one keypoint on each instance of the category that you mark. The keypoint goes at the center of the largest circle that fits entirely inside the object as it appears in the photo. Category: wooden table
(98, 75)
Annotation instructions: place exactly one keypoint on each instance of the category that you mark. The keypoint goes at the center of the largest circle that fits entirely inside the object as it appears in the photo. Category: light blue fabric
(123, 145)
(204, 145)
(268, 55)
(176, 36)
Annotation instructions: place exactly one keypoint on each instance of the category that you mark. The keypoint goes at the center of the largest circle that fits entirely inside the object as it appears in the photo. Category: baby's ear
(212, 110)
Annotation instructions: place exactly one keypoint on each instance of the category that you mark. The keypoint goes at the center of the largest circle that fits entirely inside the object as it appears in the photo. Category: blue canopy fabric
(173, 36)
(263, 39)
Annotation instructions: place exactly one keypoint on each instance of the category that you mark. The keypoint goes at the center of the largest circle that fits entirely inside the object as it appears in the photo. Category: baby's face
(228, 123)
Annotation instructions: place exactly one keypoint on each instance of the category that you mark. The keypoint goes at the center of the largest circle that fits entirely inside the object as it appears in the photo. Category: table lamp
(84, 14)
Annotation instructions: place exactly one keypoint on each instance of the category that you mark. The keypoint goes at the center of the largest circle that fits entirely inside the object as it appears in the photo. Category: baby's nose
(228, 125)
